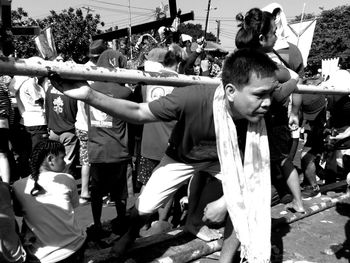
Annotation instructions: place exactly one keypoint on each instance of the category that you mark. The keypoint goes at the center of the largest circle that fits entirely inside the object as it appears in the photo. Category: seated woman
(47, 200)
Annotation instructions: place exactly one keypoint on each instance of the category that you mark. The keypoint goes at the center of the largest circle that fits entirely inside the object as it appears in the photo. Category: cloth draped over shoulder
(247, 188)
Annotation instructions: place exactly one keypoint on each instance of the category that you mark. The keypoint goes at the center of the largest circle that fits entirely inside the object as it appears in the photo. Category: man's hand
(215, 212)
(293, 122)
(79, 90)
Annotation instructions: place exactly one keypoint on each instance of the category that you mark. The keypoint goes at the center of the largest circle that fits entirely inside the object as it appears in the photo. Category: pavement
(322, 235)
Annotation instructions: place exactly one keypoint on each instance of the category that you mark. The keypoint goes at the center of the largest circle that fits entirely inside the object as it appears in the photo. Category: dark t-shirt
(193, 137)
(61, 111)
(108, 136)
(155, 135)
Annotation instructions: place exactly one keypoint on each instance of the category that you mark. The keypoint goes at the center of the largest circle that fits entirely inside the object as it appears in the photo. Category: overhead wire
(114, 4)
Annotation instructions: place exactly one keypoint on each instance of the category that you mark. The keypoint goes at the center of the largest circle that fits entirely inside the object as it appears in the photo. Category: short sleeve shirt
(193, 137)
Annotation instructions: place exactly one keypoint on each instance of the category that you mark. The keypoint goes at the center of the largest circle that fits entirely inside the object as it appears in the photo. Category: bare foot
(293, 207)
(120, 247)
(203, 232)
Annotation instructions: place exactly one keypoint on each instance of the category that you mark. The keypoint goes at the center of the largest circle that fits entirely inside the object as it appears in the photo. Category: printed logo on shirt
(100, 119)
(155, 92)
(58, 105)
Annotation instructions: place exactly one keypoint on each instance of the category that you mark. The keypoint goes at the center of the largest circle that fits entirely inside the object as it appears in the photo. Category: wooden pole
(206, 20)
(23, 67)
(68, 70)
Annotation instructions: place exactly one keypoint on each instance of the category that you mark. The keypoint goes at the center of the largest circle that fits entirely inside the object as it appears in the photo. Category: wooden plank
(143, 27)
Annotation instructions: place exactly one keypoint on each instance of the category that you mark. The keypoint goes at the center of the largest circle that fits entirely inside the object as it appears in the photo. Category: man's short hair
(239, 66)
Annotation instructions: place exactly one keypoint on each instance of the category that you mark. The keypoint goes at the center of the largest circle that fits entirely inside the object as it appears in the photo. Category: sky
(116, 12)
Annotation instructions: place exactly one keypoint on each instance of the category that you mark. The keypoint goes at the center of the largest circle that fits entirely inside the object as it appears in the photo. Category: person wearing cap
(95, 49)
(108, 150)
(81, 126)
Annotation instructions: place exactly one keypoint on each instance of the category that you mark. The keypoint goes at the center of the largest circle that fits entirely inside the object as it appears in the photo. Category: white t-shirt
(50, 216)
(81, 118)
(30, 101)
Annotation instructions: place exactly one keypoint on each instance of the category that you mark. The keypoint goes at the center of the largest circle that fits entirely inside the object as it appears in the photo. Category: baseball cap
(97, 47)
(156, 55)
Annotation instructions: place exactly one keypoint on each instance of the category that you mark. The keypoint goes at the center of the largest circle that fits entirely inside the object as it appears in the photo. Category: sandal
(292, 208)
(84, 200)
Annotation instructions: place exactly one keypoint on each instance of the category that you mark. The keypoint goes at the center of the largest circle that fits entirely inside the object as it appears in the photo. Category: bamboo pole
(23, 67)
(74, 71)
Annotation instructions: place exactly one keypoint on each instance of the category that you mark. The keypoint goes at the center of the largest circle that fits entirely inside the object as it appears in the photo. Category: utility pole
(206, 20)
(130, 36)
(218, 31)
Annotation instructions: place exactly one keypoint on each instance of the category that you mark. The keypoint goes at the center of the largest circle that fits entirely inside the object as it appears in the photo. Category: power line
(114, 9)
(134, 7)
(126, 20)
(139, 20)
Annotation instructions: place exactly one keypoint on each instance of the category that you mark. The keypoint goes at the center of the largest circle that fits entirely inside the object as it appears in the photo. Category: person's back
(47, 202)
(60, 110)
(60, 115)
(105, 132)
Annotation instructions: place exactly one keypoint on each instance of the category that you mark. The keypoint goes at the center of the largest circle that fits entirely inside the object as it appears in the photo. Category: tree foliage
(72, 31)
(195, 31)
(331, 38)
(24, 45)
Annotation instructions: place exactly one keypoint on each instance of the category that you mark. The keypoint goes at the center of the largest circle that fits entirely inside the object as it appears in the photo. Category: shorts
(110, 178)
(280, 140)
(167, 178)
(83, 148)
(146, 167)
(4, 140)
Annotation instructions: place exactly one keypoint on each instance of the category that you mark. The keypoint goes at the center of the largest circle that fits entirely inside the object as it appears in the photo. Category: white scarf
(247, 189)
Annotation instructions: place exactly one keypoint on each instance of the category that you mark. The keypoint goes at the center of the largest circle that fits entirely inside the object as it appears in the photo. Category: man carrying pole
(204, 134)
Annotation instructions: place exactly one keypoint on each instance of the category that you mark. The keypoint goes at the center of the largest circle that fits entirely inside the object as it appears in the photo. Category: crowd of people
(219, 149)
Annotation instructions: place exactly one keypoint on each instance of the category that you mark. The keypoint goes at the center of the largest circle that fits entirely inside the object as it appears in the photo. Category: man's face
(253, 100)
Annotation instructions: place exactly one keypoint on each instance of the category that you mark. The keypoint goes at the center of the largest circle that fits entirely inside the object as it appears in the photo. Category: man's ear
(230, 91)
(261, 39)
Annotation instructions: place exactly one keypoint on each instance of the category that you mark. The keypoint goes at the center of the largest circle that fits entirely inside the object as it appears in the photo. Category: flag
(301, 35)
(45, 44)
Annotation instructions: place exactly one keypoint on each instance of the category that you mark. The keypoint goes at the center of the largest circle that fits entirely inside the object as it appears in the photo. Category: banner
(301, 35)
(45, 44)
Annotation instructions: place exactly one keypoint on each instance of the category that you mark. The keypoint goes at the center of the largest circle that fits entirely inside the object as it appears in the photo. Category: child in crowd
(47, 200)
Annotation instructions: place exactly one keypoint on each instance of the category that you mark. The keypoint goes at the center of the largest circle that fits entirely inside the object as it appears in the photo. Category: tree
(24, 45)
(72, 32)
(331, 38)
(195, 31)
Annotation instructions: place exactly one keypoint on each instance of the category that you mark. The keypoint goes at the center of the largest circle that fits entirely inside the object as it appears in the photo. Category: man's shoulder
(197, 90)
